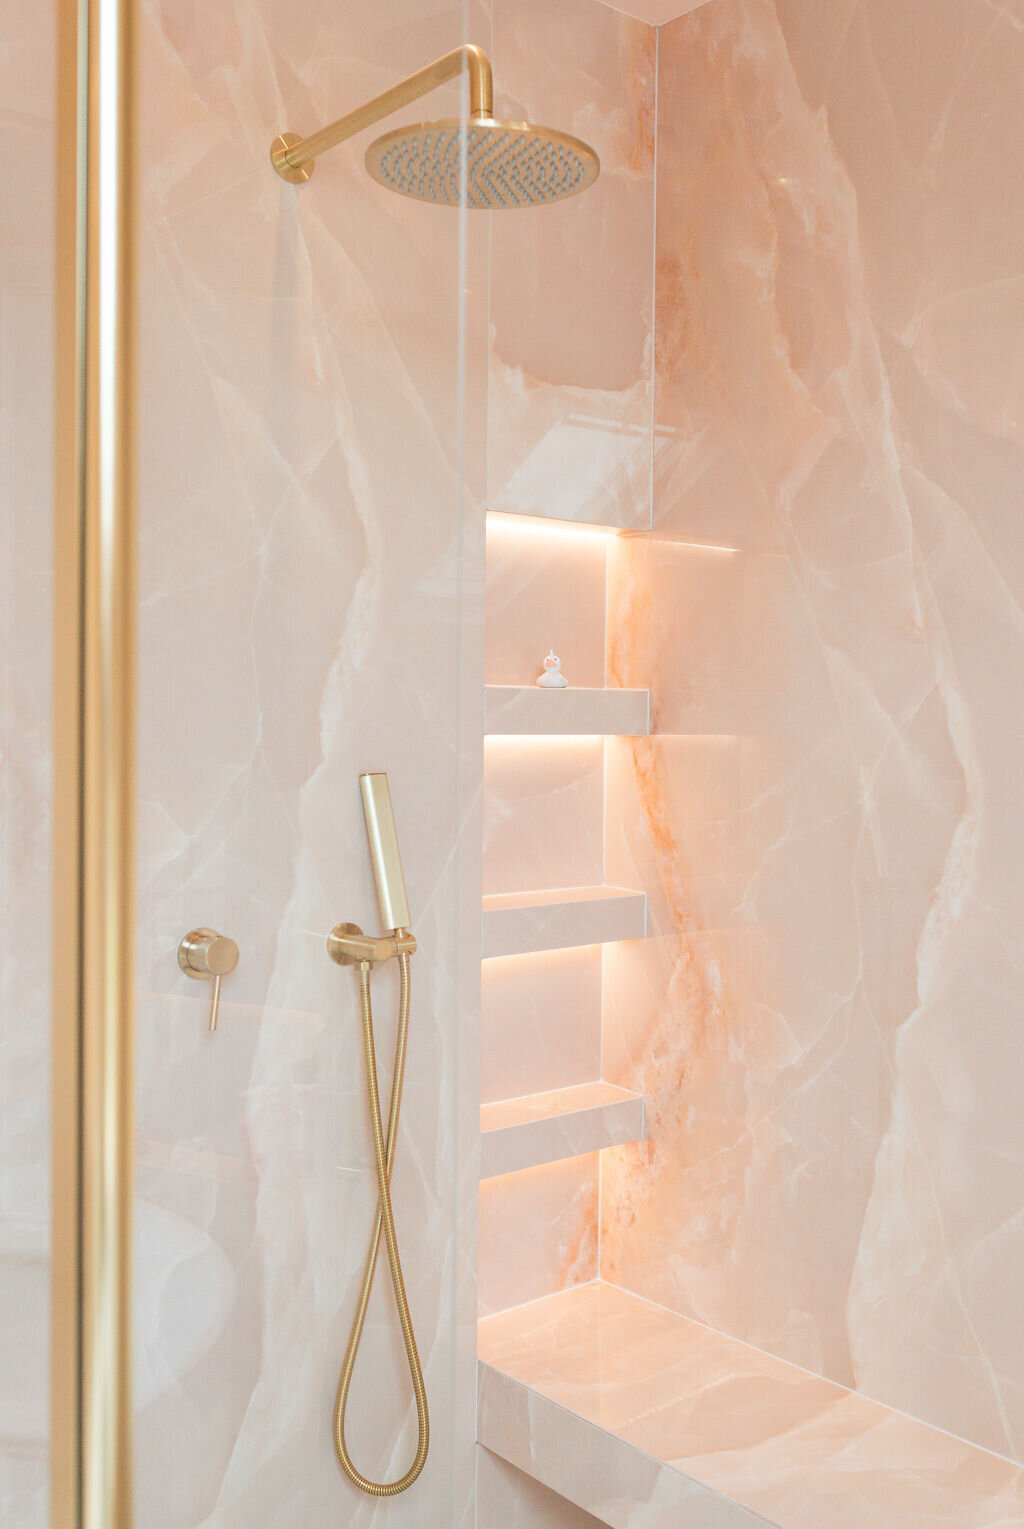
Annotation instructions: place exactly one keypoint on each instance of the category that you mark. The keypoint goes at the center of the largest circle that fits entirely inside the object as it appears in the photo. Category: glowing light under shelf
(548, 526)
(506, 519)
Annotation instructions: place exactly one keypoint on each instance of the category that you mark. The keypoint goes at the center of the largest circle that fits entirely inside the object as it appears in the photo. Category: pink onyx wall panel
(543, 813)
(540, 1024)
(311, 566)
(569, 421)
(538, 1232)
(545, 590)
(829, 1038)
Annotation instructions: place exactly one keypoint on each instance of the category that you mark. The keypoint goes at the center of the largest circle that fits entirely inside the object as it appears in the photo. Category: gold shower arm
(293, 156)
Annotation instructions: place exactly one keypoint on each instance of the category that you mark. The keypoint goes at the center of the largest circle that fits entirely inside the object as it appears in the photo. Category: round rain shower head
(508, 164)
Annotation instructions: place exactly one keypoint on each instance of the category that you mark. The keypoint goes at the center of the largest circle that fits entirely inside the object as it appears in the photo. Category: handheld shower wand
(348, 946)
(384, 851)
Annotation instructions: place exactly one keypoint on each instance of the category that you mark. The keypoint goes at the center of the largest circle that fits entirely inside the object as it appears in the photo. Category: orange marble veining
(538, 1232)
(824, 1021)
(639, 69)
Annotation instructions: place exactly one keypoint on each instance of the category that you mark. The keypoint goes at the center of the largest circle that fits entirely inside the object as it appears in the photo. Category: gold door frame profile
(93, 999)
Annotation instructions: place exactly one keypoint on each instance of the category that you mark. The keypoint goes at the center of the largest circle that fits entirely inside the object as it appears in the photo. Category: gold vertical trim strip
(94, 767)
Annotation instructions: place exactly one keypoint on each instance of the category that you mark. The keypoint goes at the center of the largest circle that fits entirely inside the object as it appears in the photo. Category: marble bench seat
(648, 1420)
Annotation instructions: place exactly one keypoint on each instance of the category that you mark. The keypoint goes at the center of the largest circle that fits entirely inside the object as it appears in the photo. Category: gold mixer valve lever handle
(208, 956)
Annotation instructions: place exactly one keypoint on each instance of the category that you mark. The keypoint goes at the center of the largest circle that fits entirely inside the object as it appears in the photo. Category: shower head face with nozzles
(507, 164)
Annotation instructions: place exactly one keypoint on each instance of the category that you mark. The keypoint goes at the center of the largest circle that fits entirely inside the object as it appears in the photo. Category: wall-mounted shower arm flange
(292, 156)
(348, 945)
(279, 149)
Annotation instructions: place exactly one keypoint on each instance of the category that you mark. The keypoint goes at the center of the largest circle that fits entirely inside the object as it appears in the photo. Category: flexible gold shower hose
(385, 1154)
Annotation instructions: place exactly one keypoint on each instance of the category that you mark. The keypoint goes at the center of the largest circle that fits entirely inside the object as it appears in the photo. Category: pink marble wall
(568, 437)
(538, 1232)
(571, 287)
(540, 1024)
(311, 563)
(26, 552)
(543, 813)
(829, 1038)
(545, 589)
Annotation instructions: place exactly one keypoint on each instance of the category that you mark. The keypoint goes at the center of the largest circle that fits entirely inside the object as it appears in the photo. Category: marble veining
(558, 1205)
(543, 812)
(522, 1051)
(825, 1021)
(569, 406)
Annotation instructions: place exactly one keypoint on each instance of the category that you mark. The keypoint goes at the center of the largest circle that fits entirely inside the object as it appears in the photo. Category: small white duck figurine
(552, 678)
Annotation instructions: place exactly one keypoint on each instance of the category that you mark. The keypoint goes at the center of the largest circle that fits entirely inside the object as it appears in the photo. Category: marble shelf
(648, 1420)
(515, 923)
(580, 709)
(564, 1122)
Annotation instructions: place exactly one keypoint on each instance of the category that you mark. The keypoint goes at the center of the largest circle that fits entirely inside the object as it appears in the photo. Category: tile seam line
(536, 1299)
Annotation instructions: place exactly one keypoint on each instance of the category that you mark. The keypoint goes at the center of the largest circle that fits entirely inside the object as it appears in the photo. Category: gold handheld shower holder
(293, 156)
(348, 945)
